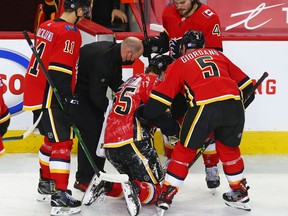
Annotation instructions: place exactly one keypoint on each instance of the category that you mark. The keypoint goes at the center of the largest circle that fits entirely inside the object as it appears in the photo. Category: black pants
(139, 160)
(89, 122)
(224, 118)
(52, 125)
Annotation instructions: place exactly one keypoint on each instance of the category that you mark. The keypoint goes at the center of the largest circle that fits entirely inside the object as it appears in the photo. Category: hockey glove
(158, 44)
(145, 123)
(70, 110)
(147, 47)
(169, 127)
(175, 48)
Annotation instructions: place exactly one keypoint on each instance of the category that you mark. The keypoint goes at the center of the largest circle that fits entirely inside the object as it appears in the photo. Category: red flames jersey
(58, 44)
(122, 126)
(204, 19)
(204, 76)
(4, 111)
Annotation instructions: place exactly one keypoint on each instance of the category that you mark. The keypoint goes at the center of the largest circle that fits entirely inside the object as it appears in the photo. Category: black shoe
(64, 204)
(238, 198)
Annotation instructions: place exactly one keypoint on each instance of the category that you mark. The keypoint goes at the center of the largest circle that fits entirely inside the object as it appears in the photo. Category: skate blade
(160, 211)
(43, 198)
(88, 197)
(133, 203)
(64, 211)
(239, 205)
(91, 199)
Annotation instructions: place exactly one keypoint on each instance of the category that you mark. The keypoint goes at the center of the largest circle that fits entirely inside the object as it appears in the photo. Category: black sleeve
(97, 91)
(116, 79)
(62, 82)
(116, 4)
(153, 109)
(167, 124)
(162, 120)
(98, 82)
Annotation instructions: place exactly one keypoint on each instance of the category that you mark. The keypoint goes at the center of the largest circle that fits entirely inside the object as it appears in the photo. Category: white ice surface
(267, 177)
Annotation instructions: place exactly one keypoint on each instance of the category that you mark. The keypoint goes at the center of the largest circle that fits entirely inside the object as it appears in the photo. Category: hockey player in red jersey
(215, 89)
(178, 17)
(4, 118)
(58, 44)
(127, 143)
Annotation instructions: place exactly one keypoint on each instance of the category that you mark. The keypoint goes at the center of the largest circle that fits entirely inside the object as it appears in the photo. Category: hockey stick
(24, 135)
(212, 139)
(144, 24)
(100, 174)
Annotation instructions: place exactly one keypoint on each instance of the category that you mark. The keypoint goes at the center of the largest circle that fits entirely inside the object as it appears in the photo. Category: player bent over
(215, 89)
(129, 145)
(178, 17)
(4, 118)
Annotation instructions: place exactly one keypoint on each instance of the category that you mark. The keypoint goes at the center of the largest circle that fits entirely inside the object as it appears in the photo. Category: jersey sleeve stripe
(161, 98)
(5, 117)
(60, 68)
(244, 83)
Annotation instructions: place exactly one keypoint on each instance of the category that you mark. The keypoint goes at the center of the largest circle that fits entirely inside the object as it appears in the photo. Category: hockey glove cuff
(70, 110)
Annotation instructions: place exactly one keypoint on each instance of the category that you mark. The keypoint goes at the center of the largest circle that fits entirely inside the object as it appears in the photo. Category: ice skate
(238, 198)
(133, 203)
(164, 202)
(96, 191)
(212, 178)
(64, 204)
(45, 189)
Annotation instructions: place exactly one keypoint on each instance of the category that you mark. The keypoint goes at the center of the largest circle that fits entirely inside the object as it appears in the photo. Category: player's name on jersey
(45, 34)
(197, 53)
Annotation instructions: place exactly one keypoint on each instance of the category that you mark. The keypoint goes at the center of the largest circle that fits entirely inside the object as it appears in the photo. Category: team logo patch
(208, 13)
(70, 28)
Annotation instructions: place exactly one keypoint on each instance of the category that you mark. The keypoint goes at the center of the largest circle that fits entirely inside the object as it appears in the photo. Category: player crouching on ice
(128, 144)
(214, 89)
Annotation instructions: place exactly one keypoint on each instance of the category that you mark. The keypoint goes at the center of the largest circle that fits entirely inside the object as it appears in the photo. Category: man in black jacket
(108, 13)
(100, 67)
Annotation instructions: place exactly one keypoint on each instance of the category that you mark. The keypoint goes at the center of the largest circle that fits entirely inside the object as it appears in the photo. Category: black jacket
(100, 67)
(102, 9)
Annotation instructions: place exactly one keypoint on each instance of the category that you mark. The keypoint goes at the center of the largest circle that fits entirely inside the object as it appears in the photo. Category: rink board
(252, 143)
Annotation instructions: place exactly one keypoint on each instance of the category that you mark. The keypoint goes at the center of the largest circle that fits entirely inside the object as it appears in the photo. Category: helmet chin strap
(77, 18)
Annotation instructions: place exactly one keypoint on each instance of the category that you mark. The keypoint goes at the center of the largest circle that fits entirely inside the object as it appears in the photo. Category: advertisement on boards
(259, 17)
(14, 59)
